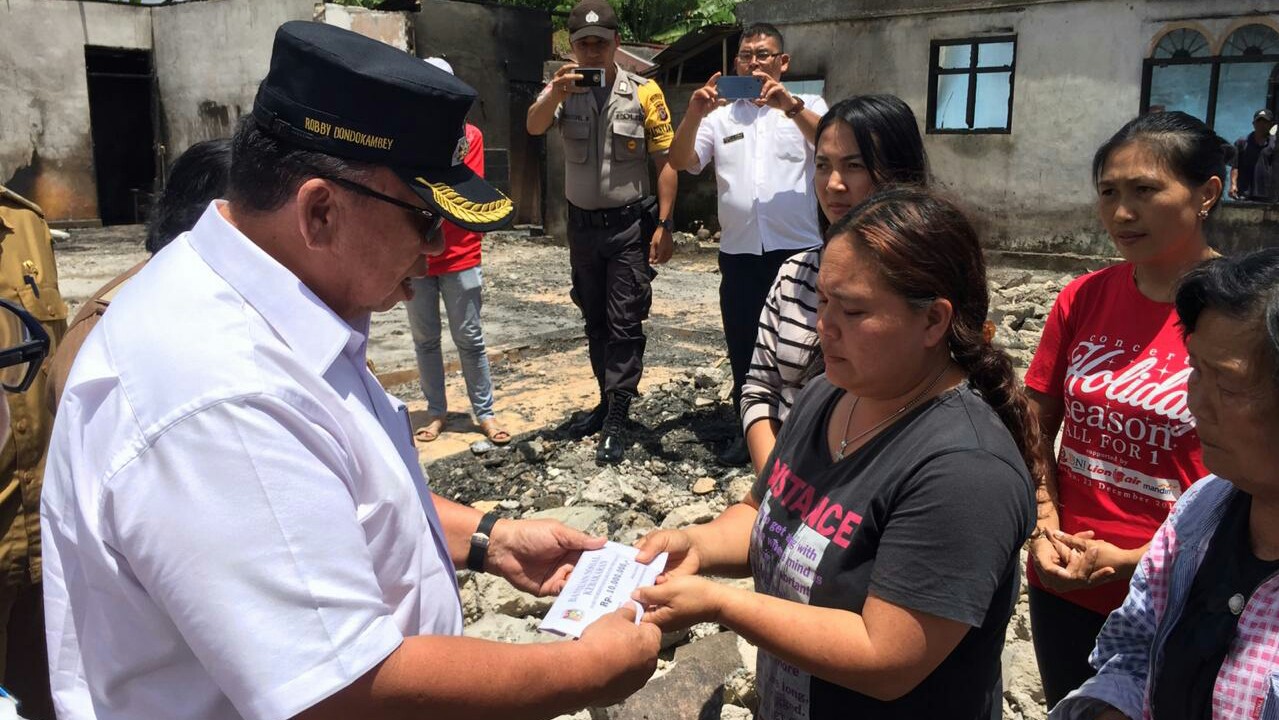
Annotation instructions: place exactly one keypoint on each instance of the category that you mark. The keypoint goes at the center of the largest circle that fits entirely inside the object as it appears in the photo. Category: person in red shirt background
(455, 277)
(1111, 373)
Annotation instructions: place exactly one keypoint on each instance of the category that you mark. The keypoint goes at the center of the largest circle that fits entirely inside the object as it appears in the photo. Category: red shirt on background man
(462, 247)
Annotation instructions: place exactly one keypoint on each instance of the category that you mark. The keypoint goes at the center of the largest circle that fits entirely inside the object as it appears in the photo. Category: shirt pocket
(628, 141)
(790, 143)
(577, 139)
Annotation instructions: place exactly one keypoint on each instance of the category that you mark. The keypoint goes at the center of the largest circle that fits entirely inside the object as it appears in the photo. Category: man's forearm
(682, 154)
(667, 186)
(459, 522)
(541, 114)
(807, 121)
(459, 677)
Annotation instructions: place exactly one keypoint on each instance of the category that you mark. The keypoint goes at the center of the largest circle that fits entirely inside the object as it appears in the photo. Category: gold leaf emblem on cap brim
(466, 210)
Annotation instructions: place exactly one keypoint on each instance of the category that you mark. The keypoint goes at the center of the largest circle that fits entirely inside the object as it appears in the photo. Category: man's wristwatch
(480, 542)
(667, 223)
(797, 108)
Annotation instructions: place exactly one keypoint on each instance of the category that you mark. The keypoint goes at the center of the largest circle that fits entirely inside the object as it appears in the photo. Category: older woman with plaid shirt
(1198, 635)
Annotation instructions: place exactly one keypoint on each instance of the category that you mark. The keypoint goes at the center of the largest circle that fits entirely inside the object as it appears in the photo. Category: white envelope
(601, 582)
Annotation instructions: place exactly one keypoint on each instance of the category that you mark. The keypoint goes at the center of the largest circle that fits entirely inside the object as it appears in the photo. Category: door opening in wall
(121, 102)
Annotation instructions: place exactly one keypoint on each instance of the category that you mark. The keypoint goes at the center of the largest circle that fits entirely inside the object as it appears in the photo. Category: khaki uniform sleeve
(657, 117)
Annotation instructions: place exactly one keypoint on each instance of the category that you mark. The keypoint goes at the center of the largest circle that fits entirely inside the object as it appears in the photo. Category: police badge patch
(463, 147)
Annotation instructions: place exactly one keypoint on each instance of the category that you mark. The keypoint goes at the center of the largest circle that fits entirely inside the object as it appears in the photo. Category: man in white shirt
(763, 155)
(236, 524)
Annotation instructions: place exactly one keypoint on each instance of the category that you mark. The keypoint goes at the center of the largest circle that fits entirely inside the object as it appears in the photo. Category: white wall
(210, 57)
(45, 145)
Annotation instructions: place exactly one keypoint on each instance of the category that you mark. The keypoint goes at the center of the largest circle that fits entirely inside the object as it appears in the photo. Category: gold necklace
(846, 441)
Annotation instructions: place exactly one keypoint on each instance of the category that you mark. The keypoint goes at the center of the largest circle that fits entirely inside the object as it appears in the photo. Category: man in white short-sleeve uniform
(762, 149)
(235, 520)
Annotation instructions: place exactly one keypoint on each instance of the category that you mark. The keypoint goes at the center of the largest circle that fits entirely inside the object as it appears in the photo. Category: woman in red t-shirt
(1110, 374)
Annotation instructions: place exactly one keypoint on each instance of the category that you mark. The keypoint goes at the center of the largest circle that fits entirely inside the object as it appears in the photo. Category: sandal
(430, 432)
(495, 434)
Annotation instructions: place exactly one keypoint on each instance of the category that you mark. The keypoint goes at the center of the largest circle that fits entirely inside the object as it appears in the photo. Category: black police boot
(591, 422)
(612, 443)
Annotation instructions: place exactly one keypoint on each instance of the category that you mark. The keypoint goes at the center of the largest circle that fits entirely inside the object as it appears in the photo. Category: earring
(1203, 214)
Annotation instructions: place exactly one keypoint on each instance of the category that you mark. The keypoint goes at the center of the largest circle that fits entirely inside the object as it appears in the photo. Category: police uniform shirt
(764, 172)
(30, 280)
(606, 150)
(235, 520)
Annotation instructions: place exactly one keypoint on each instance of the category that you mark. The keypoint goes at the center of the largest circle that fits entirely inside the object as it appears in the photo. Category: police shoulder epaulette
(7, 194)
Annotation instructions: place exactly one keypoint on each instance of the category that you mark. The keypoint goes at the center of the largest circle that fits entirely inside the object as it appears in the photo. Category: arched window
(1181, 75)
(1223, 90)
(1251, 41)
(1182, 43)
(1248, 59)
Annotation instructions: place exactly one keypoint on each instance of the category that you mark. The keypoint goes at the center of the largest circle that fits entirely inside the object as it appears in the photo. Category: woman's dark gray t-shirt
(928, 515)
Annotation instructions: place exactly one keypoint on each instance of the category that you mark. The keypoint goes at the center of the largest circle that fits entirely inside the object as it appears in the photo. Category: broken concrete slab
(693, 689)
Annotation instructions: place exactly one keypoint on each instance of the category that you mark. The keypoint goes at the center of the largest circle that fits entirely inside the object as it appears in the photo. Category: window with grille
(970, 85)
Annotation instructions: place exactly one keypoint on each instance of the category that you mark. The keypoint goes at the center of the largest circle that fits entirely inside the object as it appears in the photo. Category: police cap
(592, 18)
(339, 93)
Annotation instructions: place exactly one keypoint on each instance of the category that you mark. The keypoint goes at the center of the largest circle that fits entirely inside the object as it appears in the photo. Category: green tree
(661, 21)
(705, 12)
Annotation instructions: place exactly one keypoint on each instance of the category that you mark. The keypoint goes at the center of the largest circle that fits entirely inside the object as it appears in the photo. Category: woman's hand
(675, 603)
(682, 559)
(1122, 563)
(1064, 566)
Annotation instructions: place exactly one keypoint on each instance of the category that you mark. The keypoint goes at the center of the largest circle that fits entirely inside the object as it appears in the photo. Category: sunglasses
(428, 221)
(23, 347)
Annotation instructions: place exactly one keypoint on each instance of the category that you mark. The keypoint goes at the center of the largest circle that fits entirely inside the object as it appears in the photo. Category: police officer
(616, 231)
(29, 279)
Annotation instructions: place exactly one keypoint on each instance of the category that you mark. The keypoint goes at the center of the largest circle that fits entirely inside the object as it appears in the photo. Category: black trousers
(612, 286)
(26, 665)
(743, 287)
(1064, 635)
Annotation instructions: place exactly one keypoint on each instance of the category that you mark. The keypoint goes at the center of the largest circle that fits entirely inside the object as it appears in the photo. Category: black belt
(610, 217)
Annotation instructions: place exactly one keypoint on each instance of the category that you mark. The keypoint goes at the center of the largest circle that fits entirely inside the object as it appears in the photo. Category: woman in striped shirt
(863, 143)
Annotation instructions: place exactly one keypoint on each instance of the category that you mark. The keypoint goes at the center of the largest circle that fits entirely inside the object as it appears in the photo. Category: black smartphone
(739, 87)
(591, 77)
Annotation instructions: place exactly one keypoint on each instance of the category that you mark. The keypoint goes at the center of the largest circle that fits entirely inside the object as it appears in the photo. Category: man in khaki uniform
(30, 279)
(616, 231)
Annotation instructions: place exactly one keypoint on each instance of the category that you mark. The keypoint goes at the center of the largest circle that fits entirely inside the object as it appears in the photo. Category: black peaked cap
(340, 93)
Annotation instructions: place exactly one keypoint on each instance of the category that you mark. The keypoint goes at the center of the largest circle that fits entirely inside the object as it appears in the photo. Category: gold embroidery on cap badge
(468, 210)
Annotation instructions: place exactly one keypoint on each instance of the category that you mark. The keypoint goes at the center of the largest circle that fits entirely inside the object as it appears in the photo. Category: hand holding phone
(591, 77)
(739, 87)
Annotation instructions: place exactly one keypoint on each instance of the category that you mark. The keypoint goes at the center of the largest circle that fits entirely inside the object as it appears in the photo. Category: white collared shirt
(235, 522)
(764, 172)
